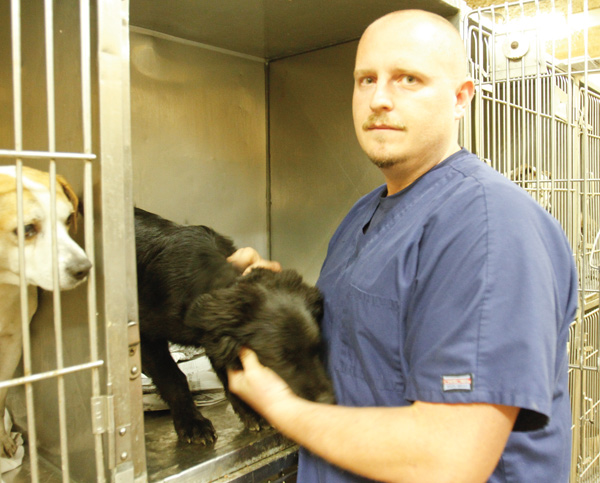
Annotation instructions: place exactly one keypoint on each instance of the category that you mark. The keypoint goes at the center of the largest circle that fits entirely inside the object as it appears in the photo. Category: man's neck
(402, 175)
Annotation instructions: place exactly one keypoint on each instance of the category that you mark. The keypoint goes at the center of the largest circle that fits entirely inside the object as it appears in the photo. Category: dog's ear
(71, 196)
(221, 315)
(80, 208)
(314, 301)
(225, 351)
(223, 309)
(293, 282)
(312, 295)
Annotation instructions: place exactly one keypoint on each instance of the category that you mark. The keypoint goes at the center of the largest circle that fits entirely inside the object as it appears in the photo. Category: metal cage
(64, 107)
(536, 119)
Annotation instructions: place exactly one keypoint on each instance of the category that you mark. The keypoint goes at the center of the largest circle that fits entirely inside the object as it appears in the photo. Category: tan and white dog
(73, 264)
(527, 177)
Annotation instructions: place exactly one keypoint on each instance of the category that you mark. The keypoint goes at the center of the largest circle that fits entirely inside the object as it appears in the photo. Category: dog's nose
(80, 269)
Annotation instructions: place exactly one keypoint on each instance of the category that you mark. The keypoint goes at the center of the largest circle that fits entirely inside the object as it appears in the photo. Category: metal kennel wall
(184, 114)
(216, 113)
(536, 119)
(234, 127)
(64, 108)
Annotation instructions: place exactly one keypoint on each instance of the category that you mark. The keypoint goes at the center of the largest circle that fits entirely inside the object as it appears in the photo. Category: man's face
(404, 98)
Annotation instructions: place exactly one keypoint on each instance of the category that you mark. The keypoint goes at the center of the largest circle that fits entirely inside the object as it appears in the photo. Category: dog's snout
(80, 269)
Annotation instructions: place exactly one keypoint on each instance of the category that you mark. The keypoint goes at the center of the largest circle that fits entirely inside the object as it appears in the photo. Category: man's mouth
(372, 124)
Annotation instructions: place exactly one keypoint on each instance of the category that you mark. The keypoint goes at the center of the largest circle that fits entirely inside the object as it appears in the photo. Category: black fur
(189, 294)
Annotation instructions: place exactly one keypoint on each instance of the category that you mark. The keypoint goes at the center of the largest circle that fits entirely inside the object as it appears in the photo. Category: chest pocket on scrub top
(371, 335)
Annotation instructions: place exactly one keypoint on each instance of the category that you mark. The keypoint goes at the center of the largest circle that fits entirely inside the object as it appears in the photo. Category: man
(448, 296)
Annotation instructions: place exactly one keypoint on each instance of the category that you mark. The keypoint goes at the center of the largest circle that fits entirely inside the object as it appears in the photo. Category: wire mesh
(536, 119)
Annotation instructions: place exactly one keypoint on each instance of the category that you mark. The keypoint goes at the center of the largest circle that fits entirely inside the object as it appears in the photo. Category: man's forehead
(414, 46)
(409, 56)
(418, 19)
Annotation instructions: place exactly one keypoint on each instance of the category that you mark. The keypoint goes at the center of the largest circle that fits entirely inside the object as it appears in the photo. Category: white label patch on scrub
(458, 382)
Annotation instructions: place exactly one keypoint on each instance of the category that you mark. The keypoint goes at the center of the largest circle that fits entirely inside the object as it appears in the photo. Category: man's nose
(382, 99)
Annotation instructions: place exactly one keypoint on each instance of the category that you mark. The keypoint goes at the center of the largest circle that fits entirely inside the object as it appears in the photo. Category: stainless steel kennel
(536, 118)
(64, 87)
(213, 113)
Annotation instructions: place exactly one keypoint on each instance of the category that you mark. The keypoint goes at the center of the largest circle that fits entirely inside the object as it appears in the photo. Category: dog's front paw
(197, 430)
(8, 446)
(253, 422)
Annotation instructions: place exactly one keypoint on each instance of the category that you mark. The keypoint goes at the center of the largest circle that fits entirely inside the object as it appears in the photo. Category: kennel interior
(237, 115)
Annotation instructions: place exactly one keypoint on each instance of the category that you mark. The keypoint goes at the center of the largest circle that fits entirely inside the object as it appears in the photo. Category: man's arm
(421, 443)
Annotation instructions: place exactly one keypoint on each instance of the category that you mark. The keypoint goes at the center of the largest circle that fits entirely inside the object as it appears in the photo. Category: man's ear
(464, 95)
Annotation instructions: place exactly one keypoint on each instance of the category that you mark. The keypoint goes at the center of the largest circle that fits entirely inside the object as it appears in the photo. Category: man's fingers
(238, 383)
(248, 358)
(244, 257)
(247, 258)
(269, 264)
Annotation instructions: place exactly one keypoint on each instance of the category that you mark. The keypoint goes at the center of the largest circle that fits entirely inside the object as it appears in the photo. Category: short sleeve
(486, 312)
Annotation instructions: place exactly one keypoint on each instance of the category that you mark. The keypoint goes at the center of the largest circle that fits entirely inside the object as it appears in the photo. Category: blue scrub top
(458, 289)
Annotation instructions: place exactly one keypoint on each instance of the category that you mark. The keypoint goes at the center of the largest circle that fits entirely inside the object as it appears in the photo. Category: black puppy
(190, 295)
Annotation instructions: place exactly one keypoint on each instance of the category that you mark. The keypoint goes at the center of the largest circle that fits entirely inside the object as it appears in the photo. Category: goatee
(384, 163)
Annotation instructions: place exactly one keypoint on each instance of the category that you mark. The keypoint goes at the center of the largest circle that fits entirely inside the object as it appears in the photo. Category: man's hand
(247, 258)
(421, 443)
(258, 385)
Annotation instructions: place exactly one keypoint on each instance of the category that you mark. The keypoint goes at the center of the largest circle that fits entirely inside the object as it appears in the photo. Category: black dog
(190, 295)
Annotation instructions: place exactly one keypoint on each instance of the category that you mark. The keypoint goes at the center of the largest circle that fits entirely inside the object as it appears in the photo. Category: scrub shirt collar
(384, 204)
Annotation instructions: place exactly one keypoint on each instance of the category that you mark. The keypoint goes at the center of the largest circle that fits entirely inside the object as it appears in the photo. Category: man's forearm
(339, 435)
(418, 443)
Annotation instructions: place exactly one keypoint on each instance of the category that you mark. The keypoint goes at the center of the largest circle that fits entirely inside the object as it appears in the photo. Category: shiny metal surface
(271, 29)
(42, 471)
(195, 149)
(318, 169)
(236, 452)
(199, 137)
(125, 453)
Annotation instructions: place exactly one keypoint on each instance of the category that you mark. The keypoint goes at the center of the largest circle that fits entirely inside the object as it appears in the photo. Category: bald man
(448, 296)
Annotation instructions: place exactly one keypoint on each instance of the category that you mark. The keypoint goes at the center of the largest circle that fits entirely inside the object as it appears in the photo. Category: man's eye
(70, 219)
(367, 81)
(409, 79)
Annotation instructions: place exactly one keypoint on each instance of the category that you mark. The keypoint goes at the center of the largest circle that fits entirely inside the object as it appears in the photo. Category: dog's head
(73, 264)
(276, 315)
(536, 182)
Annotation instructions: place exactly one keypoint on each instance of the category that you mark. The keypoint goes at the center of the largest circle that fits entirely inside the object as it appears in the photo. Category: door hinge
(102, 415)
